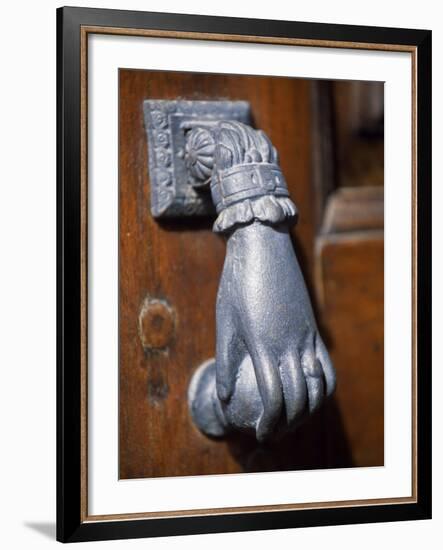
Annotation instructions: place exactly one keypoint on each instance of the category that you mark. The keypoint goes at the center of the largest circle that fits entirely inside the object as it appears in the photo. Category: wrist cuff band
(247, 181)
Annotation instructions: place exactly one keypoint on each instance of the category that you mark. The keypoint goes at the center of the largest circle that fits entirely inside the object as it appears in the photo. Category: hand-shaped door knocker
(271, 367)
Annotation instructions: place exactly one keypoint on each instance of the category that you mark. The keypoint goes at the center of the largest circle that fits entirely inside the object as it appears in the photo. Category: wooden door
(169, 273)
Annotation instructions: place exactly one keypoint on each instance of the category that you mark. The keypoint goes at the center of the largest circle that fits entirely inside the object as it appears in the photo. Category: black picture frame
(71, 525)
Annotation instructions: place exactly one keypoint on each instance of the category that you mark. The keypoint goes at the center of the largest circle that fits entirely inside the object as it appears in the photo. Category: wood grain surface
(350, 284)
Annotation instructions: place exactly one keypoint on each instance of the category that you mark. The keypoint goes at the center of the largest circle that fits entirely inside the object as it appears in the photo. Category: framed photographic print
(244, 282)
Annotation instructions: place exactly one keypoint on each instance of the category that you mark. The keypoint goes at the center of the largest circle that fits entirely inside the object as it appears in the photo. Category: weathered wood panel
(350, 260)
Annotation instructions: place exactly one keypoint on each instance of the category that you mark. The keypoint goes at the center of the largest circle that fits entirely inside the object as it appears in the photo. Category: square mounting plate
(172, 193)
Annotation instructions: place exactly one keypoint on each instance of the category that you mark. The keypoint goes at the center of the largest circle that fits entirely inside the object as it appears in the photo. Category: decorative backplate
(177, 177)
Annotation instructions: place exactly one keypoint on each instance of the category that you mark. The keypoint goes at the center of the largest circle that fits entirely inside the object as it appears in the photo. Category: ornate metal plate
(173, 191)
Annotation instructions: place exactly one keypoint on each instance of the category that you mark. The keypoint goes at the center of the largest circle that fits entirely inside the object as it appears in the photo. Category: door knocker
(271, 368)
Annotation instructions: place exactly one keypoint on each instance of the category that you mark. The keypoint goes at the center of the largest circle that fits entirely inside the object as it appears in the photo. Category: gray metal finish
(176, 187)
(271, 367)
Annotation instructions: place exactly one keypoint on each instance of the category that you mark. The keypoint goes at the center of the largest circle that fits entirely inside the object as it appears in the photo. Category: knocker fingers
(230, 348)
(328, 368)
(270, 388)
(228, 354)
(294, 386)
(313, 375)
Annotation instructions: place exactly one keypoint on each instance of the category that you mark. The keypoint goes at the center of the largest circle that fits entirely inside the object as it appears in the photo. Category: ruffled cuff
(267, 209)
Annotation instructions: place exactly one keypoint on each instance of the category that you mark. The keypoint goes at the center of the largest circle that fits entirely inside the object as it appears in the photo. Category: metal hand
(271, 365)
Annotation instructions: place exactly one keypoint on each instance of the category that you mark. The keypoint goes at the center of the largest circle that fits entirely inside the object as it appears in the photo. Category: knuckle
(312, 368)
